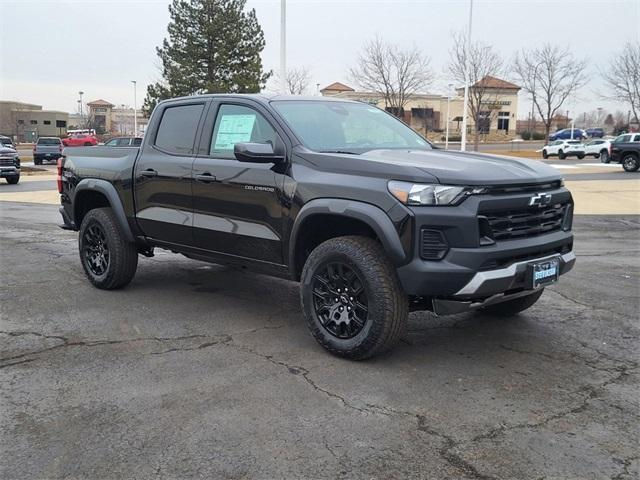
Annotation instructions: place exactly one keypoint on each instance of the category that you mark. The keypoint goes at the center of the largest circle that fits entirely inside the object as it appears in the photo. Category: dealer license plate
(545, 273)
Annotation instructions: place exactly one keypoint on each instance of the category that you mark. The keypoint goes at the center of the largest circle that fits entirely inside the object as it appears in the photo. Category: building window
(47, 122)
(61, 124)
(484, 121)
(33, 122)
(20, 122)
(503, 121)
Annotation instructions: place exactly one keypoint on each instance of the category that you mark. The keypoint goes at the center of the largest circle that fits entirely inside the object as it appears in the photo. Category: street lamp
(467, 80)
(283, 46)
(135, 109)
(80, 102)
(446, 135)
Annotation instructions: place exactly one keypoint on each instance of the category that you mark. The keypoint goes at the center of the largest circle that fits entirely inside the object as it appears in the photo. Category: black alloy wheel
(95, 249)
(630, 163)
(340, 300)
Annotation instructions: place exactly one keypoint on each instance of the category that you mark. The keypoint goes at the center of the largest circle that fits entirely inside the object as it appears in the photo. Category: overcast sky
(51, 49)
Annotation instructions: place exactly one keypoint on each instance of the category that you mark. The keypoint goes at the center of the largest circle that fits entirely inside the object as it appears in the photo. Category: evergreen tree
(214, 46)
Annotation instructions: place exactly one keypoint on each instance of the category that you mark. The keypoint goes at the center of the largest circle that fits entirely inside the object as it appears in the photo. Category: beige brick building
(427, 113)
(107, 118)
(25, 122)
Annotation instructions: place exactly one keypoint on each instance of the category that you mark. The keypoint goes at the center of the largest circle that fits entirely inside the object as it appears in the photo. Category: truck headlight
(430, 194)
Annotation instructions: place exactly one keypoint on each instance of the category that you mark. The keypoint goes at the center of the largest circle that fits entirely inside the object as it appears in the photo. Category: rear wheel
(581, 156)
(352, 299)
(13, 180)
(513, 307)
(630, 163)
(37, 161)
(108, 259)
(87, 144)
(545, 154)
(604, 156)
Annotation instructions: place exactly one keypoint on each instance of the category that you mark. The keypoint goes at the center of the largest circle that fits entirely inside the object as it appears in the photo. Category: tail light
(34, 149)
(59, 178)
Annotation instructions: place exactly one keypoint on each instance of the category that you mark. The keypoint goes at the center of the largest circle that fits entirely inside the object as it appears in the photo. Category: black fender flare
(109, 191)
(373, 216)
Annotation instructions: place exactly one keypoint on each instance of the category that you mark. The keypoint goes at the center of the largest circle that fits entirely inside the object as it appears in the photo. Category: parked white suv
(598, 147)
(564, 149)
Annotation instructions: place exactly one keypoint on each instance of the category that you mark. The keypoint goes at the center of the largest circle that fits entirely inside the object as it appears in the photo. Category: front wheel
(581, 156)
(108, 259)
(562, 155)
(630, 163)
(37, 161)
(604, 156)
(13, 180)
(513, 307)
(545, 154)
(352, 299)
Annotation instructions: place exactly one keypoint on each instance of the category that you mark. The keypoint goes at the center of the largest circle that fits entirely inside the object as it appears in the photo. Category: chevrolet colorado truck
(367, 215)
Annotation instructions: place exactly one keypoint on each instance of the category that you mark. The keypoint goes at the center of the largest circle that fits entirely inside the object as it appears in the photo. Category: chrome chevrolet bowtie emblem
(540, 199)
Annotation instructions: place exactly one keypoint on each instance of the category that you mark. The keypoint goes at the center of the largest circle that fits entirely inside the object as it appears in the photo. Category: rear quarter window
(177, 130)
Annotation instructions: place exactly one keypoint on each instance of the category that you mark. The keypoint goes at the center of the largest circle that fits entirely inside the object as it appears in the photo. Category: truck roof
(260, 97)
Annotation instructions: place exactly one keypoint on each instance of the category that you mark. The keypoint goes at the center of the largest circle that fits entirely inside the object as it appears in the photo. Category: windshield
(347, 127)
(48, 141)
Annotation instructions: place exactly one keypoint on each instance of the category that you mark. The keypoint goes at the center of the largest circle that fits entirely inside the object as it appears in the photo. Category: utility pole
(135, 109)
(283, 46)
(467, 80)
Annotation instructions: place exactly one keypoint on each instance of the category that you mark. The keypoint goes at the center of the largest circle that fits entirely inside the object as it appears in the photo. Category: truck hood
(444, 166)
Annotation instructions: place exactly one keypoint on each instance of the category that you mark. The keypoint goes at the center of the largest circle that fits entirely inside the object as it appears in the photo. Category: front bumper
(473, 271)
(9, 171)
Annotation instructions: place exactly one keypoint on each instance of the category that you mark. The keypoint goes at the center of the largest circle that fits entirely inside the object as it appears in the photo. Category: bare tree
(483, 62)
(622, 77)
(550, 75)
(297, 80)
(395, 74)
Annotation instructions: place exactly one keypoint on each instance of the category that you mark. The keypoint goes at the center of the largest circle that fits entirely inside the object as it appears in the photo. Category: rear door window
(177, 129)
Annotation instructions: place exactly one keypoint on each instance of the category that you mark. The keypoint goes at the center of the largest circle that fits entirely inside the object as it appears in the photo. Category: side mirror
(257, 153)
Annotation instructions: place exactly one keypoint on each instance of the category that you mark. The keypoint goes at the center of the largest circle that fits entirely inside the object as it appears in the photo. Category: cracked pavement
(200, 370)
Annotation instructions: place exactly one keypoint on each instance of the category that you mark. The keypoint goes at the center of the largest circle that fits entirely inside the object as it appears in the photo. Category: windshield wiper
(339, 151)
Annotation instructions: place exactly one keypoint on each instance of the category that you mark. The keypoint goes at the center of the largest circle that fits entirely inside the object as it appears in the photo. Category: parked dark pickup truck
(370, 218)
(625, 149)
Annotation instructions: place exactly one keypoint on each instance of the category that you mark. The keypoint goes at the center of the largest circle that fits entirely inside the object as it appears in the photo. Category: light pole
(467, 80)
(283, 46)
(446, 135)
(80, 102)
(599, 116)
(135, 109)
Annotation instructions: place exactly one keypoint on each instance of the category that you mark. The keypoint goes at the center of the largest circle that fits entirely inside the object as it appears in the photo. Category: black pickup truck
(368, 216)
(625, 149)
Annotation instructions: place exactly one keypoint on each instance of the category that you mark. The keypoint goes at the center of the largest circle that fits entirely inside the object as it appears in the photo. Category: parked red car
(80, 140)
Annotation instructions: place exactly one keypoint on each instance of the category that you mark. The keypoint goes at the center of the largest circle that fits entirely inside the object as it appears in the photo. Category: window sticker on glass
(234, 129)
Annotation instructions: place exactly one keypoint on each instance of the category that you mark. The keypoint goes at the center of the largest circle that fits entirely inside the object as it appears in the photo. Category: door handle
(149, 172)
(205, 177)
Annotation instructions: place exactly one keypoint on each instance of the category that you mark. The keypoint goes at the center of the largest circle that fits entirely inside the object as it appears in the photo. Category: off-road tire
(123, 255)
(387, 303)
(604, 156)
(561, 155)
(545, 155)
(13, 180)
(630, 162)
(513, 307)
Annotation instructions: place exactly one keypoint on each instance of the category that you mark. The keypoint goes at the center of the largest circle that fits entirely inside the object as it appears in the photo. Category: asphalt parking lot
(202, 370)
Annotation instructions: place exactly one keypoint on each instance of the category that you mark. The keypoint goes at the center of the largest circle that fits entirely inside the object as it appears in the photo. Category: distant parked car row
(623, 149)
(576, 134)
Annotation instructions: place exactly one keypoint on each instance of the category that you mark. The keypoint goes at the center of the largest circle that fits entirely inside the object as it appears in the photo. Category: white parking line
(605, 165)
(559, 165)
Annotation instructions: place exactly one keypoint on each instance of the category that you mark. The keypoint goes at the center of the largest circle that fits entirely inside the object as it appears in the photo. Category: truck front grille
(4, 161)
(525, 222)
